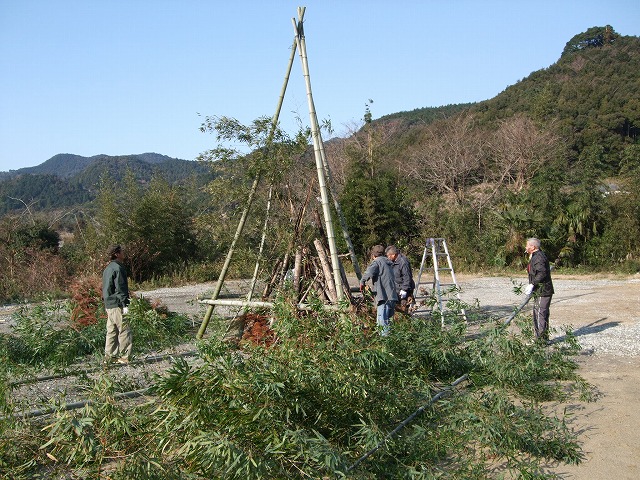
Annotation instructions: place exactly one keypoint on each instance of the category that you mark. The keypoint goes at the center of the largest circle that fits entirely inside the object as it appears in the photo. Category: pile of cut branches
(322, 402)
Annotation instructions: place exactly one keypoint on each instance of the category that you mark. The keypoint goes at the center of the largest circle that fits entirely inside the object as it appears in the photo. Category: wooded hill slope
(554, 156)
(589, 97)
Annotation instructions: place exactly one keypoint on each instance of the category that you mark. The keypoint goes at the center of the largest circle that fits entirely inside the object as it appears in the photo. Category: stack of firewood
(309, 273)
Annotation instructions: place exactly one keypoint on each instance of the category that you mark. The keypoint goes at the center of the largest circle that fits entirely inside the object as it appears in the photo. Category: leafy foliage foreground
(329, 390)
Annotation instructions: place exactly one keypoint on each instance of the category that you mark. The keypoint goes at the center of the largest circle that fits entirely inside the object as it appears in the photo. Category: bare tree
(27, 208)
(519, 149)
(360, 141)
(338, 161)
(448, 157)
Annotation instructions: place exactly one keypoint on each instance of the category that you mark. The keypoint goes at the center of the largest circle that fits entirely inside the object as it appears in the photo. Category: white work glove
(403, 294)
(125, 311)
(529, 289)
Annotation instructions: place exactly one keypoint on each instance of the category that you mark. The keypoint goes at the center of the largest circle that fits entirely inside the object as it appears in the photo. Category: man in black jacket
(115, 292)
(541, 286)
(403, 276)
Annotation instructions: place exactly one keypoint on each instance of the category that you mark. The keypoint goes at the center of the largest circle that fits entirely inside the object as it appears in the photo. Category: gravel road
(603, 312)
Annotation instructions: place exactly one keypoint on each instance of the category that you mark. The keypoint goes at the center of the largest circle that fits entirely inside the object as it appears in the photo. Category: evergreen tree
(154, 223)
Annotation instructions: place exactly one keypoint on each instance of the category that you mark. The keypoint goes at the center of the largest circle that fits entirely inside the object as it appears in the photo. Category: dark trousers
(541, 317)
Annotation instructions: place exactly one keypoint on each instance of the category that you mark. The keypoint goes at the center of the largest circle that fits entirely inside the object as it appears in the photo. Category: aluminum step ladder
(443, 287)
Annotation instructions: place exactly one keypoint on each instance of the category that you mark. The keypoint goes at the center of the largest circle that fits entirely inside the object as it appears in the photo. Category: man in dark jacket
(380, 272)
(541, 286)
(403, 276)
(115, 292)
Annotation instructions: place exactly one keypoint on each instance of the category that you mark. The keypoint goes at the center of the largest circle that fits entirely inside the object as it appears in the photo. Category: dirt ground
(605, 315)
(603, 312)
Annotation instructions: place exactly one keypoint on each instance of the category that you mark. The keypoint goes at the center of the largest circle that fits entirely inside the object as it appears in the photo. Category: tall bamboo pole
(262, 242)
(343, 222)
(254, 188)
(227, 262)
(330, 284)
(315, 133)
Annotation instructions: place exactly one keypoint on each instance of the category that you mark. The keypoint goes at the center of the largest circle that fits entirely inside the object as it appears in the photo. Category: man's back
(115, 286)
(404, 276)
(381, 273)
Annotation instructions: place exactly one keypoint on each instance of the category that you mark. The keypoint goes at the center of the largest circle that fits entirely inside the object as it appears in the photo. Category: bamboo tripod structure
(324, 182)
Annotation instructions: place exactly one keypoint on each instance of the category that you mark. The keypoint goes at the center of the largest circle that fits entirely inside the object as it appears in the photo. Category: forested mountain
(589, 97)
(67, 165)
(66, 180)
(63, 165)
(40, 192)
(426, 115)
(556, 156)
(143, 167)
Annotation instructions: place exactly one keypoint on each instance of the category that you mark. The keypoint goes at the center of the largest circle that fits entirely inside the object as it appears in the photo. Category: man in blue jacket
(541, 286)
(380, 272)
(115, 292)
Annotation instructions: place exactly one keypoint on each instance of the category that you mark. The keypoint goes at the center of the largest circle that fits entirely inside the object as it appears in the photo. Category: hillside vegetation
(554, 156)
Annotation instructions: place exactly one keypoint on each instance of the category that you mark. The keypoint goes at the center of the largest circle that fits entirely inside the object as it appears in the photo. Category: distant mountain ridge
(67, 179)
(66, 165)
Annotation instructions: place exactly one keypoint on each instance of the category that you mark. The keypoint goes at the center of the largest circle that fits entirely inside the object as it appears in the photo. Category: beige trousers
(118, 343)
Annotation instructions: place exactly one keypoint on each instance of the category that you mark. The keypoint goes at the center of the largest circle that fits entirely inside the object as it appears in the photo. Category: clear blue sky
(131, 76)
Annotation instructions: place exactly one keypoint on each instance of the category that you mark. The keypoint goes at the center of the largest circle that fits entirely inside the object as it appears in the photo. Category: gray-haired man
(403, 276)
(541, 286)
